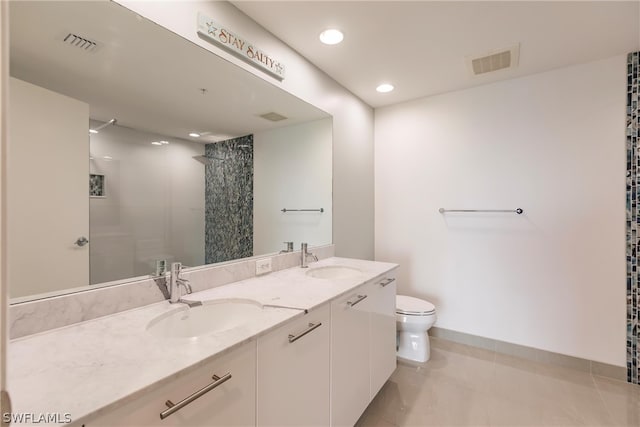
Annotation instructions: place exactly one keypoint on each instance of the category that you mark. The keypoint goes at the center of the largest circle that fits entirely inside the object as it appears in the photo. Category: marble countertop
(83, 369)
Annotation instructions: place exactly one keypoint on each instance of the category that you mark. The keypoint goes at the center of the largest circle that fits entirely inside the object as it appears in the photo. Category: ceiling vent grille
(274, 117)
(495, 60)
(80, 42)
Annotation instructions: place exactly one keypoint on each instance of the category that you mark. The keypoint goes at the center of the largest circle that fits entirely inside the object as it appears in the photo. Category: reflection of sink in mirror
(334, 272)
(204, 319)
(226, 166)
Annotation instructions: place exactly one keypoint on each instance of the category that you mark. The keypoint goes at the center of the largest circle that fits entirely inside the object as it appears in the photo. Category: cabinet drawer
(294, 372)
(229, 404)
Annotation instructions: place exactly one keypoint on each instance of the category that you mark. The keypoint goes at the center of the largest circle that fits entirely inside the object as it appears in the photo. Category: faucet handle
(184, 282)
(176, 267)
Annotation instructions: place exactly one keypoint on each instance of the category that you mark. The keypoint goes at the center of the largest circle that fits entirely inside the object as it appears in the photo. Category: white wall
(154, 203)
(47, 207)
(292, 169)
(352, 119)
(552, 144)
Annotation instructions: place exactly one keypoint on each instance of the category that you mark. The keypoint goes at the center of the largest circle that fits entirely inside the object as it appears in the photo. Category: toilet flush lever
(387, 281)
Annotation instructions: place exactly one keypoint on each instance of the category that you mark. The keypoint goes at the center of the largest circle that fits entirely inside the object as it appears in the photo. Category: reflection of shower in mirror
(153, 203)
(207, 160)
(104, 125)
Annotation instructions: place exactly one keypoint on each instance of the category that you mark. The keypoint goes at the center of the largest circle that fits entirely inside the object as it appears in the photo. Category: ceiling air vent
(274, 117)
(495, 60)
(80, 42)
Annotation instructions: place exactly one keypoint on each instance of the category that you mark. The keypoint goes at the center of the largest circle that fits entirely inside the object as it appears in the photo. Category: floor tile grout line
(604, 403)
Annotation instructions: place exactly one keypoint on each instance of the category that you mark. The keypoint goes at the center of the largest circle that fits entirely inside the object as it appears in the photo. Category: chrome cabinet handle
(357, 301)
(312, 326)
(387, 281)
(81, 241)
(175, 407)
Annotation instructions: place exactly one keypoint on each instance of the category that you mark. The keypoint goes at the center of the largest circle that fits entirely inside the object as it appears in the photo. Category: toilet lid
(410, 305)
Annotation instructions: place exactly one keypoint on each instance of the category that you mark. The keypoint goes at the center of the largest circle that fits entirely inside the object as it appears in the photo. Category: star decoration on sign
(212, 29)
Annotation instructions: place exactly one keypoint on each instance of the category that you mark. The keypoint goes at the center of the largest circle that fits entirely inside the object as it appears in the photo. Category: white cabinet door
(383, 331)
(350, 368)
(232, 403)
(294, 372)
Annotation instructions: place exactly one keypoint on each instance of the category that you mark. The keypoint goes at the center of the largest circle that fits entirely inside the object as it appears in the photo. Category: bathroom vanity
(320, 349)
(94, 343)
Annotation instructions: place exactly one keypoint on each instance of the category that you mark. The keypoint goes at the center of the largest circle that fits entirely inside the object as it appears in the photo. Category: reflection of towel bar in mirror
(136, 225)
(518, 210)
(285, 210)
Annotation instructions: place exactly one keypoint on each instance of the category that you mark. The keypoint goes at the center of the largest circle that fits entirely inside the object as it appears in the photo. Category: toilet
(414, 317)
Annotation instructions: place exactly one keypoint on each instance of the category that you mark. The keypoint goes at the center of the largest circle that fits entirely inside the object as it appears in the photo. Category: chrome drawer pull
(360, 298)
(175, 407)
(387, 281)
(312, 326)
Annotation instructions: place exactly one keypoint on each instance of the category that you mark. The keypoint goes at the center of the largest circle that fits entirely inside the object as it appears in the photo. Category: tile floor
(468, 386)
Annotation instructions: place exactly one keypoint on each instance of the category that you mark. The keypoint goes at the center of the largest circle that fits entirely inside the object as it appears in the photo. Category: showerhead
(207, 160)
(104, 125)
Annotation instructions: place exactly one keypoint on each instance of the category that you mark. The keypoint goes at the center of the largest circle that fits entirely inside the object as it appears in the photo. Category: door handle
(81, 241)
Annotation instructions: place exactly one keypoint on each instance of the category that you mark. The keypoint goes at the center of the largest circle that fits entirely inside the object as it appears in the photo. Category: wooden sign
(221, 36)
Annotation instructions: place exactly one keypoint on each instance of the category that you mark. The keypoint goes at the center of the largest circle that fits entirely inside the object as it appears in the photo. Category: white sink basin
(214, 316)
(334, 272)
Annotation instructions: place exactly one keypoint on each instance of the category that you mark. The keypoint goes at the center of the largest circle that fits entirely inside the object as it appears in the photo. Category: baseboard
(530, 353)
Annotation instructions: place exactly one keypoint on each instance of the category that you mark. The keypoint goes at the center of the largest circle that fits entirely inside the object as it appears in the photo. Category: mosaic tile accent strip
(229, 199)
(633, 217)
(96, 185)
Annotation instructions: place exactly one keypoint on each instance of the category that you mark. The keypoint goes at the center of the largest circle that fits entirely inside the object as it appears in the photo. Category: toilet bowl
(414, 317)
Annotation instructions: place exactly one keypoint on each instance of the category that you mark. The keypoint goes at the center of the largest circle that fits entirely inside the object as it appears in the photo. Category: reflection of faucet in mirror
(222, 204)
(289, 248)
(161, 268)
(175, 281)
(304, 254)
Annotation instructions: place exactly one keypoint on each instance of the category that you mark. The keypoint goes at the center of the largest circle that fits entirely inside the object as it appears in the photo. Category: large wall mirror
(129, 145)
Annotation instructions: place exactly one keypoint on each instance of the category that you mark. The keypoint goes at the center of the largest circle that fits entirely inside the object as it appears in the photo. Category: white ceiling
(420, 46)
(142, 74)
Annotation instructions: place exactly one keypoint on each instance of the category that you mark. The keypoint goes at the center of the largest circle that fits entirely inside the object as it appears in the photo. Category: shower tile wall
(633, 217)
(229, 199)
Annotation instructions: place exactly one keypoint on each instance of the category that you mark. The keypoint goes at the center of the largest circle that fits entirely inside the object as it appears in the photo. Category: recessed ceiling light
(194, 135)
(164, 142)
(331, 36)
(156, 143)
(93, 131)
(107, 158)
(384, 88)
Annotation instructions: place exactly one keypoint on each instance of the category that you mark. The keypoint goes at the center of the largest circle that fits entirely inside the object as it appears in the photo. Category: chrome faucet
(304, 254)
(175, 281)
(289, 248)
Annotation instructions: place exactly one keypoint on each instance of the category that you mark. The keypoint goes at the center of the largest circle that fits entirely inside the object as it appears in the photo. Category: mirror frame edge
(5, 403)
